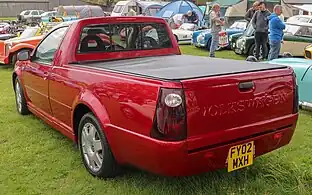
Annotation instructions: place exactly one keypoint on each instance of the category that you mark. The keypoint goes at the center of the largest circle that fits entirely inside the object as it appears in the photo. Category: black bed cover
(181, 67)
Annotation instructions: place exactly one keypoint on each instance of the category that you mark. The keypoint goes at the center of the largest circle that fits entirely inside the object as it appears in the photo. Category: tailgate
(221, 109)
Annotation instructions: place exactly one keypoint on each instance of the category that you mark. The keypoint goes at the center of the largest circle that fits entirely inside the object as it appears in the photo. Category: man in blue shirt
(276, 27)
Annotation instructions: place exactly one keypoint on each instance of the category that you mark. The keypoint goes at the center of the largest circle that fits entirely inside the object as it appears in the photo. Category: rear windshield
(124, 37)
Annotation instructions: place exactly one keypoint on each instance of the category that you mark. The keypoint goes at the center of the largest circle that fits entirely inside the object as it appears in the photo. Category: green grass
(228, 54)
(7, 18)
(36, 159)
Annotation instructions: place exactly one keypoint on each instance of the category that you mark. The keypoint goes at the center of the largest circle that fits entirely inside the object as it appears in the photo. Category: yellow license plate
(240, 156)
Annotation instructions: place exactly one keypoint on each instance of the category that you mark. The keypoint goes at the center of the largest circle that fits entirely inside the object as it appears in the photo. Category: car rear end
(308, 52)
(219, 122)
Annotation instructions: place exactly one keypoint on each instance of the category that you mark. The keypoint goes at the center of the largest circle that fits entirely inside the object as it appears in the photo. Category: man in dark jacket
(276, 32)
(260, 22)
(249, 14)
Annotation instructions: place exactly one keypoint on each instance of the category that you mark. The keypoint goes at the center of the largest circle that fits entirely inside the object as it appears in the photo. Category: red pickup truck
(137, 101)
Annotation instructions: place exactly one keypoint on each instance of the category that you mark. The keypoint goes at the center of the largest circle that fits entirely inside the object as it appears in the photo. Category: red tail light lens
(170, 116)
(296, 95)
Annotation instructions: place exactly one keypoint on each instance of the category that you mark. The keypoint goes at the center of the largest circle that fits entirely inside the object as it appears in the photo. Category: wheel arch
(87, 102)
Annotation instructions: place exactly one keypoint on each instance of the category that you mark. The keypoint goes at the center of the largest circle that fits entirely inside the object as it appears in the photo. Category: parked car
(303, 70)
(26, 41)
(4, 28)
(4, 37)
(233, 38)
(202, 38)
(184, 33)
(296, 38)
(300, 19)
(140, 102)
(308, 52)
(49, 14)
(30, 16)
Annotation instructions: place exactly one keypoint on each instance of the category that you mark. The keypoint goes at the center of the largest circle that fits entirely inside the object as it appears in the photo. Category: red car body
(126, 106)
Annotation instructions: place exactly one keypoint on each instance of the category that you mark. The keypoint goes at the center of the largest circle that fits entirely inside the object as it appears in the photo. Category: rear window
(124, 37)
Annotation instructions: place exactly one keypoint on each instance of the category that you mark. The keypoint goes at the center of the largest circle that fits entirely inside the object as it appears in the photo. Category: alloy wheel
(92, 147)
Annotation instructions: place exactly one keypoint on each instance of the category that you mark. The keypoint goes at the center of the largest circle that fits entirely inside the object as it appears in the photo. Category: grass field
(7, 18)
(36, 159)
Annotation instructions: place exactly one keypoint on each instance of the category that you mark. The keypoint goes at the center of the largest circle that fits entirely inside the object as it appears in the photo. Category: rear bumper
(175, 159)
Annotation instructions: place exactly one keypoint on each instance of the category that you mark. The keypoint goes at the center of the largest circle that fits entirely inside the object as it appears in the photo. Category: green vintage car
(233, 38)
(296, 37)
(303, 70)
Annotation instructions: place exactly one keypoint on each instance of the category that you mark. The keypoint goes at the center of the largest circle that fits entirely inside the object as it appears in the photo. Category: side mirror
(23, 56)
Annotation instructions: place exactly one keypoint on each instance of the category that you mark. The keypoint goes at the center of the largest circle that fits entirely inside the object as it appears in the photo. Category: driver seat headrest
(94, 31)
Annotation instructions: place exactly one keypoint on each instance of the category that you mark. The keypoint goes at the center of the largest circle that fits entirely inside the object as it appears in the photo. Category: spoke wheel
(92, 147)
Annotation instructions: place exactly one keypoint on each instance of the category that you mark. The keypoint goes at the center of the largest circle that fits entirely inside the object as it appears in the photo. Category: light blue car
(202, 38)
(303, 70)
(65, 18)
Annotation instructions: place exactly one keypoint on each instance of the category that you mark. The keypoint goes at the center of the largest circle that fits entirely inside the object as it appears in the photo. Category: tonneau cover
(181, 67)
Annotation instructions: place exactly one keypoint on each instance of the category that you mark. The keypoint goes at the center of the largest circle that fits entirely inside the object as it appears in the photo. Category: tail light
(296, 96)
(170, 116)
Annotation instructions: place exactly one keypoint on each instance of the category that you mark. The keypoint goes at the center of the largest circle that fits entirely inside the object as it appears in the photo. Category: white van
(149, 8)
(123, 7)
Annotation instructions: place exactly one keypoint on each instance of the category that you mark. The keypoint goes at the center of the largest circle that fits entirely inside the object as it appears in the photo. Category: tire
(99, 162)
(252, 51)
(14, 59)
(21, 104)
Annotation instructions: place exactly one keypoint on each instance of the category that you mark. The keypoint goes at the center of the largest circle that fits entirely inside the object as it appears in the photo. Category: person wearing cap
(216, 26)
(191, 17)
(276, 26)
(249, 14)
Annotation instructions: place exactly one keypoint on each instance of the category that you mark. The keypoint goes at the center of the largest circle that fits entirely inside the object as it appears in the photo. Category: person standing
(276, 26)
(216, 26)
(249, 14)
(260, 22)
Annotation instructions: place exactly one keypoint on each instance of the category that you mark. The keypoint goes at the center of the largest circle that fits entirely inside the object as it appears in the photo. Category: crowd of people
(262, 21)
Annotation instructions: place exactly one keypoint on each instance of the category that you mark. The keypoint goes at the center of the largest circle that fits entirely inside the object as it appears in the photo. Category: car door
(305, 87)
(36, 72)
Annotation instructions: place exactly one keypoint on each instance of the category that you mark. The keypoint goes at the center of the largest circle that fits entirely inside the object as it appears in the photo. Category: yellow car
(39, 30)
(308, 52)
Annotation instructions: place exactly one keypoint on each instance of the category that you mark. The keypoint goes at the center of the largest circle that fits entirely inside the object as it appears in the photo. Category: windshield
(291, 29)
(249, 30)
(298, 19)
(188, 26)
(29, 32)
(239, 25)
(118, 8)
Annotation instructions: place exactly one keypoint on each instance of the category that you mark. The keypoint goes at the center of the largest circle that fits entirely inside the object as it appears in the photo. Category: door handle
(246, 86)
